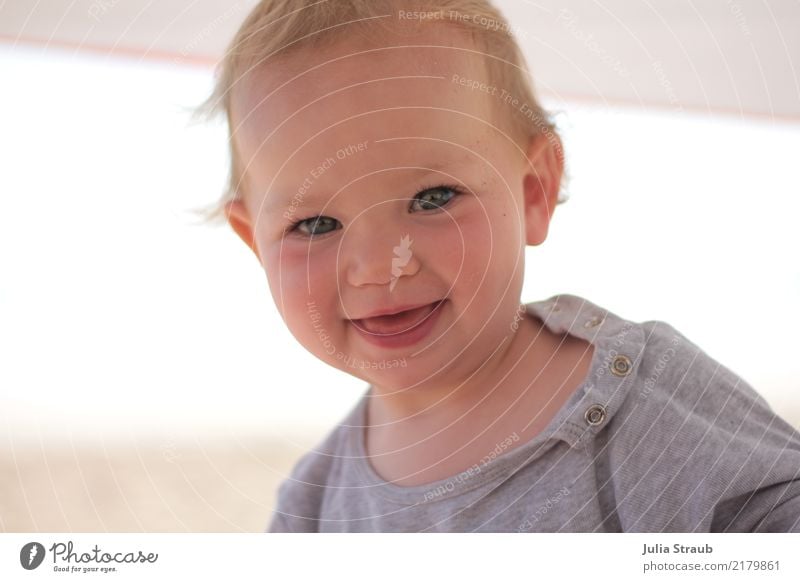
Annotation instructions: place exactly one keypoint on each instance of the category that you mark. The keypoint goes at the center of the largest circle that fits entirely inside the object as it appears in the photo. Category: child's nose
(377, 256)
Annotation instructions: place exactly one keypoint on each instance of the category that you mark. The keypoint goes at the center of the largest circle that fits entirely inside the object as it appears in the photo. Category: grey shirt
(658, 438)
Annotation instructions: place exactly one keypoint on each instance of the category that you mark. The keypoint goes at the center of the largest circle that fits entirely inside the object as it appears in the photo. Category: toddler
(390, 163)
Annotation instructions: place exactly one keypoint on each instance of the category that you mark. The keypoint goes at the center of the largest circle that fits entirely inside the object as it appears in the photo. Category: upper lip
(394, 310)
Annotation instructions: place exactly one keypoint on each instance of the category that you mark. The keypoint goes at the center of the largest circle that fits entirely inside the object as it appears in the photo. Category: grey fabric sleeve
(710, 444)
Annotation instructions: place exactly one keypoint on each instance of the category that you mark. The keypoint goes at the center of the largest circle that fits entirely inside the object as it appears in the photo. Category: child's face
(387, 126)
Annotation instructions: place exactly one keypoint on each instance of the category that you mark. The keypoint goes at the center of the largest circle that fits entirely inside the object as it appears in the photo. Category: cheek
(493, 258)
(302, 280)
(491, 243)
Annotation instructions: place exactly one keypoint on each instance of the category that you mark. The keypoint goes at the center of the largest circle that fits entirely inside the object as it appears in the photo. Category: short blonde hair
(276, 28)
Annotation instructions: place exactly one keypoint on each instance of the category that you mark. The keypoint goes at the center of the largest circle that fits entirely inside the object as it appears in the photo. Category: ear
(240, 222)
(544, 166)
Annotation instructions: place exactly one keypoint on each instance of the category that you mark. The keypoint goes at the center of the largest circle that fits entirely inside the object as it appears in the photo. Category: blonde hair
(277, 28)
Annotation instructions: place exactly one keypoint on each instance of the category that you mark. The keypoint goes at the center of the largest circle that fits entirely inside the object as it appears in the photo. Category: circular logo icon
(31, 555)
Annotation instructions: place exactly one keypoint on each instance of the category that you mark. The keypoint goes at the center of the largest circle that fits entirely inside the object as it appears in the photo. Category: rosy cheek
(303, 268)
(303, 285)
(479, 238)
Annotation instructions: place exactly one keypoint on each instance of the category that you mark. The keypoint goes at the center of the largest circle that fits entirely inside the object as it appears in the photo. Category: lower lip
(404, 339)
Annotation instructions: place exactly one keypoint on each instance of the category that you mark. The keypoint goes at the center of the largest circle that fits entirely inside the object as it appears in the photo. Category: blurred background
(147, 382)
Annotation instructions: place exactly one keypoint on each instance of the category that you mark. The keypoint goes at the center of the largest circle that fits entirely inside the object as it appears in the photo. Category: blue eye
(428, 199)
(313, 223)
(439, 197)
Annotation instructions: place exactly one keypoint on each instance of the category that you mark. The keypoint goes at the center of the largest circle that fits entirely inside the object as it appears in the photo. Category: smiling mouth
(397, 323)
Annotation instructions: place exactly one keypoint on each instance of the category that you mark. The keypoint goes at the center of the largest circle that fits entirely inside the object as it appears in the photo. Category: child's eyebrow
(275, 203)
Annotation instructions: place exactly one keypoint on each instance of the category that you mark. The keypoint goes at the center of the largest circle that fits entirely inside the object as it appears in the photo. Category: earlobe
(240, 222)
(541, 183)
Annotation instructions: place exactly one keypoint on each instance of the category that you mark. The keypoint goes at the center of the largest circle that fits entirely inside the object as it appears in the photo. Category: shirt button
(621, 366)
(595, 414)
(593, 321)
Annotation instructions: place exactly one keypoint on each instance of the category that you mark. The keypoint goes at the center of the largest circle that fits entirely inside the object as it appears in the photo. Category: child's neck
(420, 437)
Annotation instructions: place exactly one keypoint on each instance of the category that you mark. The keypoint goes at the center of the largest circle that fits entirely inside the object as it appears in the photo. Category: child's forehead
(364, 137)
(299, 95)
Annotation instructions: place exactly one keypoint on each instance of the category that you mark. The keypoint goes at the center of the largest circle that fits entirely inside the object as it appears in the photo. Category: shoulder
(677, 387)
(647, 365)
(676, 374)
(301, 495)
(707, 409)
(703, 443)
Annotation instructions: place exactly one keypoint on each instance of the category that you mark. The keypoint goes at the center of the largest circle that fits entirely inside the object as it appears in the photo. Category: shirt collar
(618, 345)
